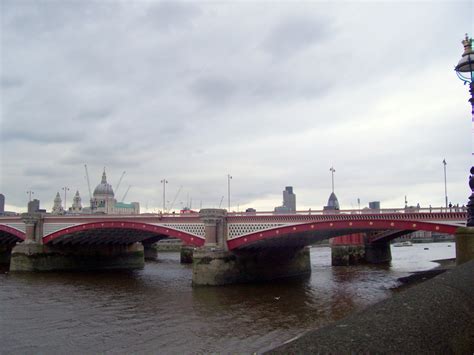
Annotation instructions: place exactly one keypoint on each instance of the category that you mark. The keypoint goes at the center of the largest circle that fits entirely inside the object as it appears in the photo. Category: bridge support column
(378, 252)
(215, 268)
(5, 253)
(348, 250)
(150, 252)
(187, 252)
(39, 257)
(464, 244)
(356, 249)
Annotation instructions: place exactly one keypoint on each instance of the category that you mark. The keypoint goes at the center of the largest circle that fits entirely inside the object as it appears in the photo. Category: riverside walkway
(435, 317)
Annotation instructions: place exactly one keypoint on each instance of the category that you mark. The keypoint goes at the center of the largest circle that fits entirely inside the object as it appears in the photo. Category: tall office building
(333, 204)
(2, 204)
(289, 201)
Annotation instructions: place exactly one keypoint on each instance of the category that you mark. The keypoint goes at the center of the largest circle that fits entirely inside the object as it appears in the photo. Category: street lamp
(228, 190)
(445, 185)
(465, 71)
(164, 182)
(65, 188)
(332, 170)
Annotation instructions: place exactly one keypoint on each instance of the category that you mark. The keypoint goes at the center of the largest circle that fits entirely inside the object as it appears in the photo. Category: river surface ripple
(155, 310)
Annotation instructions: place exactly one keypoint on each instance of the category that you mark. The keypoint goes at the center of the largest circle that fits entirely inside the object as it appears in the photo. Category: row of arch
(14, 235)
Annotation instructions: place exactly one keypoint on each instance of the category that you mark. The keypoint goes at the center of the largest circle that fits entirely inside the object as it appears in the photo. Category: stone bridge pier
(215, 265)
(357, 248)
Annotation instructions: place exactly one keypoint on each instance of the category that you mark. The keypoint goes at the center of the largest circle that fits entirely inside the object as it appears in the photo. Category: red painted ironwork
(345, 226)
(15, 232)
(187, 238)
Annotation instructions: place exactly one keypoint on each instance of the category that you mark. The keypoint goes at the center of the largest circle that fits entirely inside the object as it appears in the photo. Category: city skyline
(192, 92)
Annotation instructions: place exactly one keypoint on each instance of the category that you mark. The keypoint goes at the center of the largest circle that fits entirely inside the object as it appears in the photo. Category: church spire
(57, 207)
(76, 203)
(104, 178)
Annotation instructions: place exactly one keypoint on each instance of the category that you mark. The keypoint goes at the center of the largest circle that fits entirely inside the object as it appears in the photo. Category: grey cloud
(94, 114)
(104, 159)
(278, 89)
(214, 90)
(195, 92)
(10, 82)
(120, 153)
(295, 34)
(42, 17)
(40, 135)
(40, 171)
(167, 15)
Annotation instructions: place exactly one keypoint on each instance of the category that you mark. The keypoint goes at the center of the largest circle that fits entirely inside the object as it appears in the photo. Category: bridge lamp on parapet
(164, 182)
(229, 177)
(445, 185)
(65, 189)
(465, 71)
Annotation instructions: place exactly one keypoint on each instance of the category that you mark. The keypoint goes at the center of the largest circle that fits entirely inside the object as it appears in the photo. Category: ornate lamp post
(164, 182)
(228, 190)
(465, 72)
(66, 189)
(445, 185)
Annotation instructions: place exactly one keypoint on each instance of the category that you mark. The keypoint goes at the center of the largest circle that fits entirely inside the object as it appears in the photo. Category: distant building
(103, 200)
(333, 204)
(289, 201)
(374, 205)
(34, 206)
(2, 204)
(426, 237)
(58, 205)
(76, 204)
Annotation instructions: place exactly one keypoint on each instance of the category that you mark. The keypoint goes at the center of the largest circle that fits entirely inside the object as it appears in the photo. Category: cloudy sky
(273, 93)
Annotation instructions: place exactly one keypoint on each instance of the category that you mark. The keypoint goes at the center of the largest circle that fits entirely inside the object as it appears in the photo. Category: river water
(155, 310)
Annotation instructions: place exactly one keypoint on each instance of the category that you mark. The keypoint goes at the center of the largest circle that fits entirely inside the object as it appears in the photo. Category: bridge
(243, 230)
(236, 239)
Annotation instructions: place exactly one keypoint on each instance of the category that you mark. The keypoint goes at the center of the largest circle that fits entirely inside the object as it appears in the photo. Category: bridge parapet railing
(343, 215)
(403, 213)
(407, 210)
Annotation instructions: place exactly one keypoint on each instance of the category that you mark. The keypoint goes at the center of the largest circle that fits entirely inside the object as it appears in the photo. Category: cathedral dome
(104, 188)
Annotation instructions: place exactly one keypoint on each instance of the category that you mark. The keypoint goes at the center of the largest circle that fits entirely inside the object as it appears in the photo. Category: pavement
(435, 317)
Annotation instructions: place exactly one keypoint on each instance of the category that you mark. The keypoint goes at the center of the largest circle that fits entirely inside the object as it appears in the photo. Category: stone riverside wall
(171, 246)
(435, 317)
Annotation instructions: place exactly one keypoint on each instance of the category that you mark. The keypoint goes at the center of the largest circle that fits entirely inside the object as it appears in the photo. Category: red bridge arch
(187, 238)
(333, 227)
(10, 235)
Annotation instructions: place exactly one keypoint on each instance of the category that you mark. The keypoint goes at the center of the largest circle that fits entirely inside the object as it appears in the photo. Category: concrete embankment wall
(435, 317)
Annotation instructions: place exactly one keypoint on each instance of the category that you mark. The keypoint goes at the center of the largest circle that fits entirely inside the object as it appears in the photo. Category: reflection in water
(157, 310)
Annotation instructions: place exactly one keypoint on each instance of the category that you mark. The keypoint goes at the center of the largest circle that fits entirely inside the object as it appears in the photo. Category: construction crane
(89, 186)
(175, 197)
(125, 194)
(120, 180)
(220, 203)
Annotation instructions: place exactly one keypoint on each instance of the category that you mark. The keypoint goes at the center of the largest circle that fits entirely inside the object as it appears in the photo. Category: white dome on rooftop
(104, 188)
